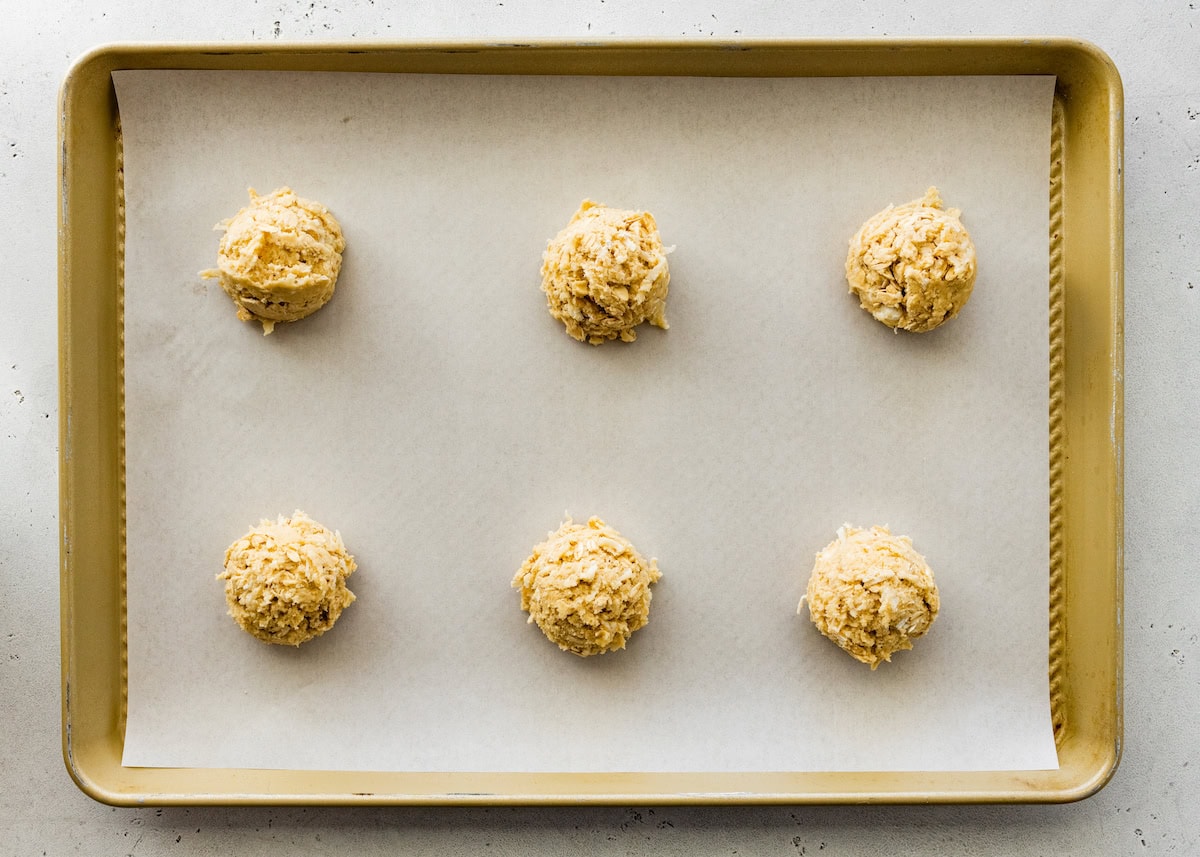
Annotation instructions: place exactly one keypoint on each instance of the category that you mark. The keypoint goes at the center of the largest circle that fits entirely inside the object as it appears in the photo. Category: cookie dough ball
(912, 266)
(587, 588)
(871, 593)
(285, 580)
(606, 273)
(279, 258)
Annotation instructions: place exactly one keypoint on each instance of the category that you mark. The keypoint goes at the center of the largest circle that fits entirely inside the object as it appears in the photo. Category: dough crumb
(285, 580)
(912, 266)
(586, 587)
(871, 593)
(605, 273)
(279, 258)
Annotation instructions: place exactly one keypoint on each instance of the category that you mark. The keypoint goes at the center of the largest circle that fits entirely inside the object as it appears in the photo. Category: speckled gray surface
(1144, 810)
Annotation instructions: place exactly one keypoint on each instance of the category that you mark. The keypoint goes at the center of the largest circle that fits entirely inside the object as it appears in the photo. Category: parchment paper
(438, 417)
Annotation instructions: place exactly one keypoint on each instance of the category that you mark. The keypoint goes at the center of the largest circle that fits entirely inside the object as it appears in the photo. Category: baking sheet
(438, 417)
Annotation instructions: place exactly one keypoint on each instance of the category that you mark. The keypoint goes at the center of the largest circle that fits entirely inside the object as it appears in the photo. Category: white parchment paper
(438, 417)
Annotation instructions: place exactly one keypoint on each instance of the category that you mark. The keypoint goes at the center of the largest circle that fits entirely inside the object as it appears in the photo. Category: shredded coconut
(871, 593)
(606, 273)
(586, 587)
(912, 266)
(279, 258)
(285, 580)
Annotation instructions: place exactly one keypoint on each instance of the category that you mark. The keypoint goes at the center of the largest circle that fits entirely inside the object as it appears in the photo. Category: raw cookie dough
(606, 273)
(586, 587)
(279, 258)
(871, 593)
(285, 580)
(912, 266)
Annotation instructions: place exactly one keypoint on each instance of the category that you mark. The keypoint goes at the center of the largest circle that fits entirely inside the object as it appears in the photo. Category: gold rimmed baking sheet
(775, 59)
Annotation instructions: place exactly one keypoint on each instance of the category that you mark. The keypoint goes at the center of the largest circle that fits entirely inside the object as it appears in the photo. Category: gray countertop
(1144, 810)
